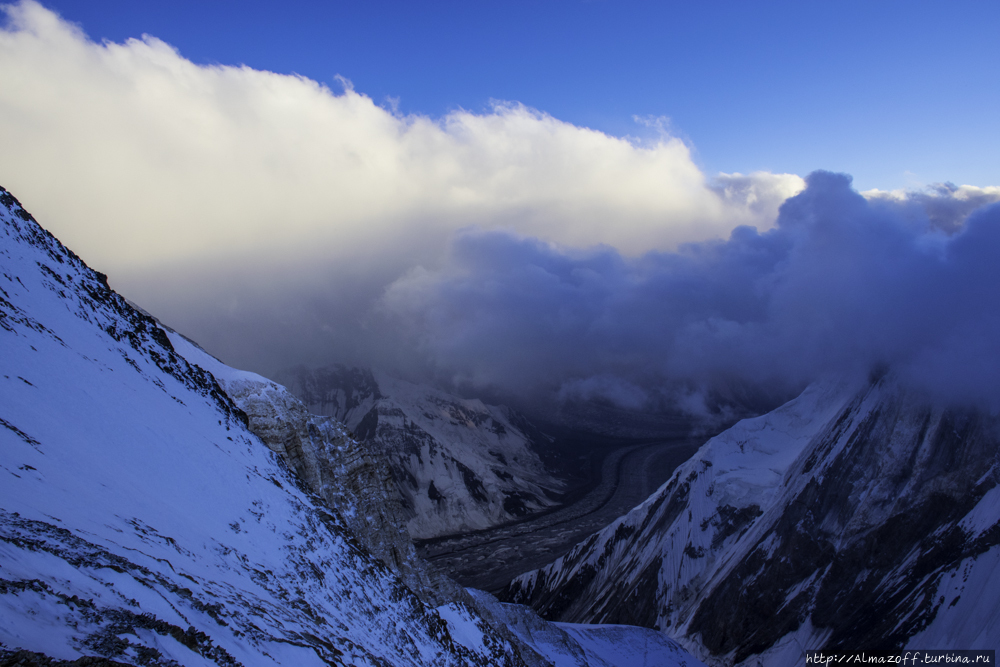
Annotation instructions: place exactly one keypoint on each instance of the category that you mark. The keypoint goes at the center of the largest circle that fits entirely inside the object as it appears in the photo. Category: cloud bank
(842, 283)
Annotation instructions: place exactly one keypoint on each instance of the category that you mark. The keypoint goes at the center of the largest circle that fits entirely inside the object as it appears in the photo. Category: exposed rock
(456, 464)
(33, 659)
(333, 465)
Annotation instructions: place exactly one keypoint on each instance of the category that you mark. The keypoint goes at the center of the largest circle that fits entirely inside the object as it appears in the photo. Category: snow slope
(848, 518)
(458, 464)
(141, 520)
(573, 645)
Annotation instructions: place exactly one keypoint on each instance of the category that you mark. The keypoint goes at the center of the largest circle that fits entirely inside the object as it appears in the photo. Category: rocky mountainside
(156, 513)
(856, 519)
(331, 464)
(457, 464)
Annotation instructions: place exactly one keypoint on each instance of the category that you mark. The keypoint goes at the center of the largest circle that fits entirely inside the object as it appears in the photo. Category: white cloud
(945, 205)
(135, 156)
(278, 222)
(265, 214)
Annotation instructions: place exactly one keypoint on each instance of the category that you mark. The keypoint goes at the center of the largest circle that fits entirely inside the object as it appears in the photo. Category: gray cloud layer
(842, 283)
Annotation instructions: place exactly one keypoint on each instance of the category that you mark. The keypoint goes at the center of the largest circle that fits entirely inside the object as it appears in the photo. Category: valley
(625, 475)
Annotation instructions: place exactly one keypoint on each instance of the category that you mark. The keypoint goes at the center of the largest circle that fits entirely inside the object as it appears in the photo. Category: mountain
(458, 464)
(850, 518)
(142, 520)
(159, 508)
(569, 645)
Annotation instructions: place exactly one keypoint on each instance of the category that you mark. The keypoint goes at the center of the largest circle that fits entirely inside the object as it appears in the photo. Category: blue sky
(899, 94)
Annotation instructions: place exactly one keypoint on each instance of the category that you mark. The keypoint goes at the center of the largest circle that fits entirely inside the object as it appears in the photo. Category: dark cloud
(945, 205)
(843, 283)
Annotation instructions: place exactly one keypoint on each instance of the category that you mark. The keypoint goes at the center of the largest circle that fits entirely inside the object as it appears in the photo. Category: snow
(581, 645)
(788, 651)
(475, 455)
(628, 646)
(971, 615)
(460, 430)
(743, 467)
(462, 625)
(985, 515)
(197, 355)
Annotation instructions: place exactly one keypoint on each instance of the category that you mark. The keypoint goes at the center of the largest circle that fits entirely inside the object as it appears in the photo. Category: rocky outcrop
(35, 659)
(456, 464)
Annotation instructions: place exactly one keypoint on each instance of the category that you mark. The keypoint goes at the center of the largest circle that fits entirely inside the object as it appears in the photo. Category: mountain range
(161, 508)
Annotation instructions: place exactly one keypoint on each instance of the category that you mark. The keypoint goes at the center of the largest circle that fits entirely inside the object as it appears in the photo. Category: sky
(654, 204)
(898, 94)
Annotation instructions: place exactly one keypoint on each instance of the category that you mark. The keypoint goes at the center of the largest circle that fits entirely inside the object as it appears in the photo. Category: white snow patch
(969, 618)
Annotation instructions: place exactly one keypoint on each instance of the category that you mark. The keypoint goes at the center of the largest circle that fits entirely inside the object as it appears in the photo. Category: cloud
(280, 222)
(842, 283)
(264, 213)
(136, 156)
(946, 205)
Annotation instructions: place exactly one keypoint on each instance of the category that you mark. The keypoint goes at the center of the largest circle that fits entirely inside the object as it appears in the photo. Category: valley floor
(489, 559)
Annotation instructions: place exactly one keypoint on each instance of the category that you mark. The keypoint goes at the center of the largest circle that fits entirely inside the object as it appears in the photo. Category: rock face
(456, 464)
(143, 521)
(852, 519)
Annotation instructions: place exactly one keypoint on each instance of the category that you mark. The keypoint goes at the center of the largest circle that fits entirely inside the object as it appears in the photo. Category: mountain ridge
(141, 519)
(849, 518)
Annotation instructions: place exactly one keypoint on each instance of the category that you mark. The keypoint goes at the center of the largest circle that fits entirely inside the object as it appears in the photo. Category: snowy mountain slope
(857, 519)
(572, 645)
(334, 466)
(458, 464)
(142, 521)
(341, 471)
